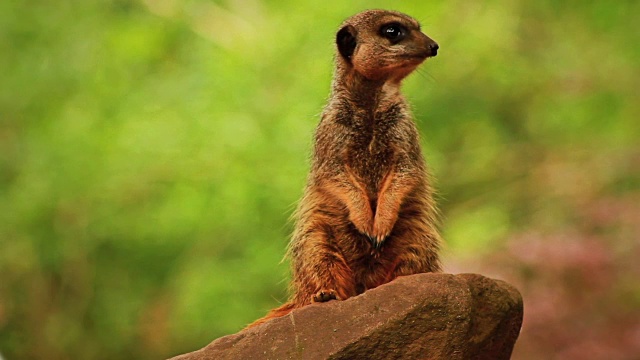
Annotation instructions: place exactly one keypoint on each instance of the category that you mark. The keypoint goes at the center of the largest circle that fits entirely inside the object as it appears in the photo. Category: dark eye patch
(395, 32)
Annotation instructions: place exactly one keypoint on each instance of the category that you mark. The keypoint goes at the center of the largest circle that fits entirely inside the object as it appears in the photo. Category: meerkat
(367, 214)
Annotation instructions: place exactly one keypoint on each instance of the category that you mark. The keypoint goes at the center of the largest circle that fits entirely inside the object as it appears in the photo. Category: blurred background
(152, 151)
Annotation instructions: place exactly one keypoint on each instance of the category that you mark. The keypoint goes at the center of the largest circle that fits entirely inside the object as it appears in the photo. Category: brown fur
(367, 215)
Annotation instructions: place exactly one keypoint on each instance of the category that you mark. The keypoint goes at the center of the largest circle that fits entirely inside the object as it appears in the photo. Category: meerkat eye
(394, 32)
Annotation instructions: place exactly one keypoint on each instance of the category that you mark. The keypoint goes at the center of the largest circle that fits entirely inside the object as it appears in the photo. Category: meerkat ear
(346, 41)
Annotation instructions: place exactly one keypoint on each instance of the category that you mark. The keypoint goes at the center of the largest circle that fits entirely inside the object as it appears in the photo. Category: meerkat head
(382, 45)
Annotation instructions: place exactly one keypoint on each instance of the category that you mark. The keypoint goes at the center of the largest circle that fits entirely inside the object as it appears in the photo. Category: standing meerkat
(367, 214)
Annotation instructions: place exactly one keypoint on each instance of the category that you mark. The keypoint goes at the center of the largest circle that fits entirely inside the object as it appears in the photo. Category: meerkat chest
(371, 154)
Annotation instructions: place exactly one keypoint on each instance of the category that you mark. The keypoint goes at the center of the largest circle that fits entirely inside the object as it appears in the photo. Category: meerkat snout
(434, 49)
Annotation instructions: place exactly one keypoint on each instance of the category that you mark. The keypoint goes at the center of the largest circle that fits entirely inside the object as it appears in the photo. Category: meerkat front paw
(363, 222)
(382, 228)
(325, 295)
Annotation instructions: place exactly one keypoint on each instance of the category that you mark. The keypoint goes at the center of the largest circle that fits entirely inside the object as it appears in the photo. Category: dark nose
(434, 49)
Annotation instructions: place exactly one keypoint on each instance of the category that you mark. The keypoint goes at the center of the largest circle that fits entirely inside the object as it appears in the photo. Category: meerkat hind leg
(322, 273)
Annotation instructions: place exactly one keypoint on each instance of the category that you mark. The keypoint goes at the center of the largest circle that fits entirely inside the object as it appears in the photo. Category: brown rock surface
(423, 316)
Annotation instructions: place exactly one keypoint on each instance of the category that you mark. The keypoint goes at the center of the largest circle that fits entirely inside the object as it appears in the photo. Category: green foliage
(151, 152)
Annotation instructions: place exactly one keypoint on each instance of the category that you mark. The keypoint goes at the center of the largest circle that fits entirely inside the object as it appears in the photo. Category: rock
(423, 316)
